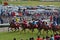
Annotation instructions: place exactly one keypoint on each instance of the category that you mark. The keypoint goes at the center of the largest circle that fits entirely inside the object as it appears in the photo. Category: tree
(0, 1)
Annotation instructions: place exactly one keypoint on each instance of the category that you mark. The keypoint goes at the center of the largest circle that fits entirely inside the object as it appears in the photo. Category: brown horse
(39, 28)
(27, 26)
(15, 26)
(45, 27)
(55, 28)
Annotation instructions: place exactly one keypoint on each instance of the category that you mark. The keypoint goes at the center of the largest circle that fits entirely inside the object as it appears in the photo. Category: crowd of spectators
(52, 37)
(23, 12)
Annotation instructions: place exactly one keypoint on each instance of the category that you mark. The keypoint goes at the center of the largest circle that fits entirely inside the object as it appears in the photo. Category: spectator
(51, 18)
(38, 38)
(1, 20)
(44, 38)
(29, 38)
(32, 38)
(47, 38)
(14, 39)
(19, 10)
(56, 37)
(24, 12)
(52, 37)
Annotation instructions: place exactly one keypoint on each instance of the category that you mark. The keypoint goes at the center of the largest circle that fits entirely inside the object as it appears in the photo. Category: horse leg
(39, 31)
(43, 32)
(32, 30)
(11, 29)
(24, 30)
(18, 28)
(29, 30)
(21, 30)
(47, 32)
(51, 31)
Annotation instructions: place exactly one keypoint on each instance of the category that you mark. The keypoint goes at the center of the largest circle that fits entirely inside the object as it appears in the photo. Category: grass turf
(19, 35)
(34, 3)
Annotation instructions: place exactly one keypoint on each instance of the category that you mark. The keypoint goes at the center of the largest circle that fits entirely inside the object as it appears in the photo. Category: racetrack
(4, 29)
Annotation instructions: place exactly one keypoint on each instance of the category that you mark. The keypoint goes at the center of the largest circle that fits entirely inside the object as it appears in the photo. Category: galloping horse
(27, 26)
(45, 27)
(55, 28)
(39, 28)
(15, 26)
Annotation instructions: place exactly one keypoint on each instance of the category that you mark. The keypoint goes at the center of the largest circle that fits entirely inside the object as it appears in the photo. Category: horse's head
(57, 27)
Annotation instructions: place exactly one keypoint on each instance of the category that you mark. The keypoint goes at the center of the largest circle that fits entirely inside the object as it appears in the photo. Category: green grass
(34, 3)
(18, 35)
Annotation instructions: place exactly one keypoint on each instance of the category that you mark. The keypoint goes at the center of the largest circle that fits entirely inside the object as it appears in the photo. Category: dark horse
(15, 26)
(55, 28)
(27, 26)
(45, 27)
(39, 28)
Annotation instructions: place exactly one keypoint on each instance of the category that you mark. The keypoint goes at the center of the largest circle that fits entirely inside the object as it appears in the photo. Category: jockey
(13, 21)
(50, 24)
(24, 22)
(40, 22)
(46, 24)
(50, 18)
(34, 22)
(55, 23)
(17, 20)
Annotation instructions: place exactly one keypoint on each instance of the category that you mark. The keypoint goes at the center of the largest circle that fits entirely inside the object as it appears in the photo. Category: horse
(15, 26)
(27, 26)
(39, 28)
(55, 28)
(24, 27)
(45, 27)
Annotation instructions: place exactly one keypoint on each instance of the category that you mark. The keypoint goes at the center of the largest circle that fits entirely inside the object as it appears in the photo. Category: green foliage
(0, 1)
